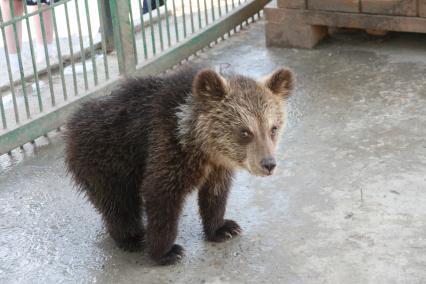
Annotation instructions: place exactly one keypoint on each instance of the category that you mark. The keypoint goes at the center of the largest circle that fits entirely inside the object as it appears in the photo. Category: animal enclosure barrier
(303, 23)
(83, 48)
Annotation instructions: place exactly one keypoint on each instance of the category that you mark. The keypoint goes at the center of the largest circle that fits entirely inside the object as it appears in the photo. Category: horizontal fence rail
(84, 47)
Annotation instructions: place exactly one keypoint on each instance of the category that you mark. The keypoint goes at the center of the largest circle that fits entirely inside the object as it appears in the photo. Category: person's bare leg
(10, 34)
(48, 29)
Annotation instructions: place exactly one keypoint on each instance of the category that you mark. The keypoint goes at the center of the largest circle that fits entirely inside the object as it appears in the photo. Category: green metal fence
(95, 43)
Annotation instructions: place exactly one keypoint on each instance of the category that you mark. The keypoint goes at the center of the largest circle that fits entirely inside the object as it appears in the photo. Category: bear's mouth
(259, 172)
(266, 173)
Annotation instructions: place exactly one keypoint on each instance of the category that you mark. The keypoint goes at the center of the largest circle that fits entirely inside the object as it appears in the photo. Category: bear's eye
(274, 131)
(245, 133)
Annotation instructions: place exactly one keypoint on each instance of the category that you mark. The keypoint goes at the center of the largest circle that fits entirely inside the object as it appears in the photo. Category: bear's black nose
(268, 164)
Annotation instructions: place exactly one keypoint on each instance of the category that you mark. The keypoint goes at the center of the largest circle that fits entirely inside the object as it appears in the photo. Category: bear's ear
(208, 83)
(280, 82)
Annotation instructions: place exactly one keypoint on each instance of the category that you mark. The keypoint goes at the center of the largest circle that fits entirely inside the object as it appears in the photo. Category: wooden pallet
(303, 23)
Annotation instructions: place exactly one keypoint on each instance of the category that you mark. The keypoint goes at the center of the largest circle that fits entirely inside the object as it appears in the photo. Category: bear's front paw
(173, 256)
(229, 229)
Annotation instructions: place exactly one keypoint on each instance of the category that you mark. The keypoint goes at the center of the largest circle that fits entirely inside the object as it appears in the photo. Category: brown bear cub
(155, 139)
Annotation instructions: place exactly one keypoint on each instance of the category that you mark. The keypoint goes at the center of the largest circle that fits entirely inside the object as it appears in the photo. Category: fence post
(123, 35)
(106, 24)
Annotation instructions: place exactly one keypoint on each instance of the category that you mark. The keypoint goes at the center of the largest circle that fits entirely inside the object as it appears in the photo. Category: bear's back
(111, 133)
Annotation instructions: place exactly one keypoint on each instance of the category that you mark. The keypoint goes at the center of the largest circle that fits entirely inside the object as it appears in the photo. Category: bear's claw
(173, 256)
(229, 229)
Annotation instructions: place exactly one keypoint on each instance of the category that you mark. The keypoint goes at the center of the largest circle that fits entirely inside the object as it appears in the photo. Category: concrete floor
(348, 204)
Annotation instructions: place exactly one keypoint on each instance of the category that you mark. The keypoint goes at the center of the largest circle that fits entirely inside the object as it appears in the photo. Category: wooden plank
(334, 5)
(293, 35)
(390, 7)
(377, 32)
(291, 4)
(287, 28)
(365, 21)
(274, 14)
(422, 8)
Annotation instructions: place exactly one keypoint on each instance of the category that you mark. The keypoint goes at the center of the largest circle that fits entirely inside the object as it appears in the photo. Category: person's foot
(41, 56)
(14, 63)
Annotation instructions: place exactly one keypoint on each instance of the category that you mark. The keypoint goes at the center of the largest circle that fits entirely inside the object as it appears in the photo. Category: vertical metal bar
(9, 71)
(241, 25)
(106, 24)
(82, 52)
(58, 48)
(40, 11)
(183, 19)
(253, 18)
(117, 36)
(227, 12)
(132, 30)
(145, 49)
(92, 49)
(152, 27)
(199, 14)
(175, 20)
(123, 36)
(233, 7)
(40, 102)
(239, 4)
(206, 14)
(220, 15)
(74, 77)
(160, 29)
(167, 23)
(18, 52)
(3, 114)
(213, 14)
(103, 38)
(192, 16)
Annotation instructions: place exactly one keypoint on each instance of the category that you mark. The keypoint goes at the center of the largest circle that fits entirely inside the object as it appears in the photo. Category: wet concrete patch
(346, 206)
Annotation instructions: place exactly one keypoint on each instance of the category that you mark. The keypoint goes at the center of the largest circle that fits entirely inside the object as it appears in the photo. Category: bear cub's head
(238, 120)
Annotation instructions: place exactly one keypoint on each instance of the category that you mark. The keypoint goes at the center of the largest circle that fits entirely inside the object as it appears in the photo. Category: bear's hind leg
(122, 213)
(163, 205)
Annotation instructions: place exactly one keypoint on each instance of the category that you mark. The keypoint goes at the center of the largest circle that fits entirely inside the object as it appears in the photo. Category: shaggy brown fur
(155, 139)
